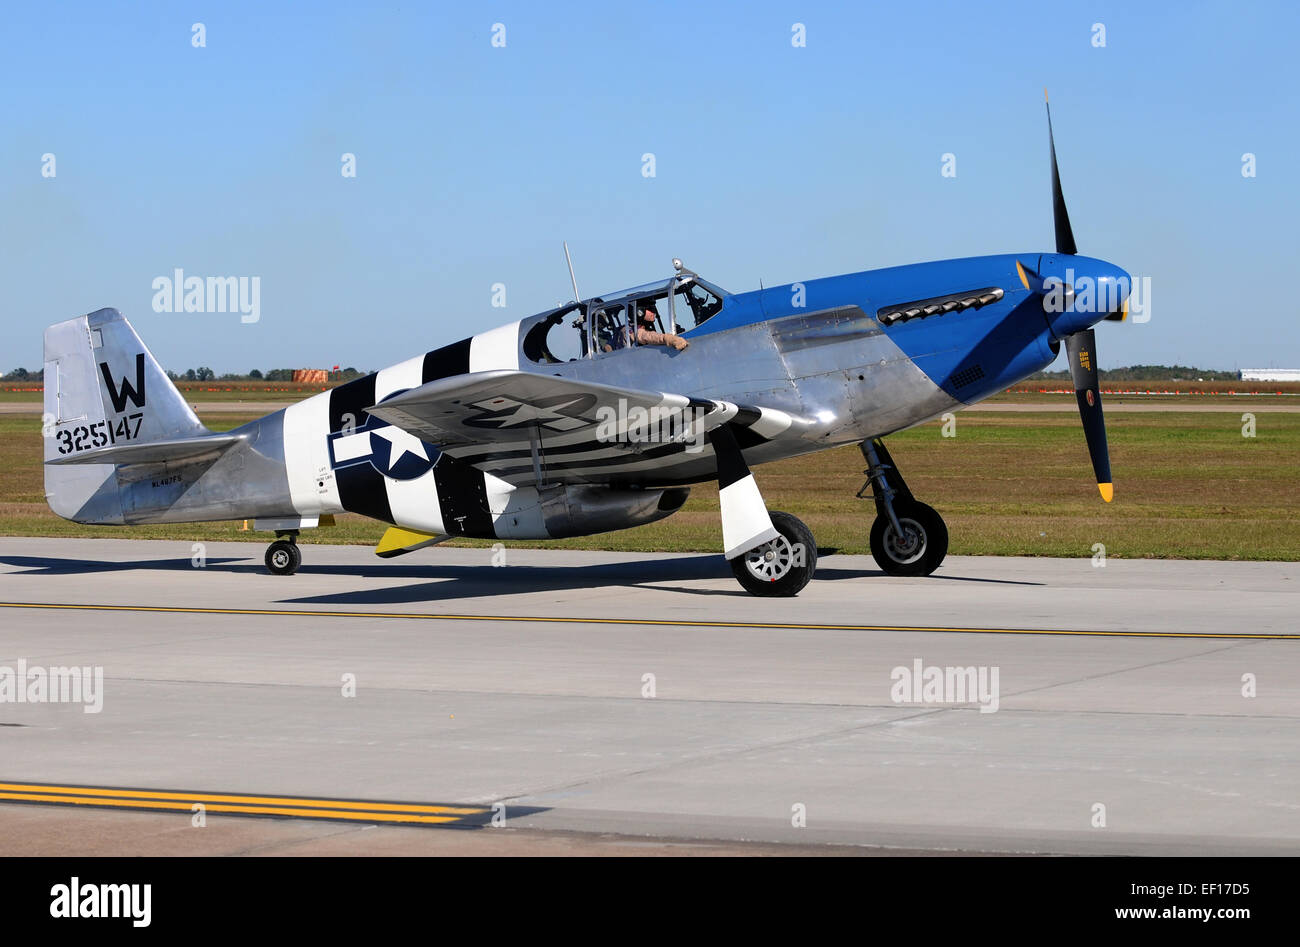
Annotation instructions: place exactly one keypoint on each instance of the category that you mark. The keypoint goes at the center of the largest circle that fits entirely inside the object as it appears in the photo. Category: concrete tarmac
(593, 699)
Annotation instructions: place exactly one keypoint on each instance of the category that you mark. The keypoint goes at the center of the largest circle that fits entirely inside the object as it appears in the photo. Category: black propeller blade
(1080, 349)
(1064, 233)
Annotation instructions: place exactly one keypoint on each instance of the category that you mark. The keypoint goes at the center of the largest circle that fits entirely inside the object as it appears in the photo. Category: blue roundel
(392, 451)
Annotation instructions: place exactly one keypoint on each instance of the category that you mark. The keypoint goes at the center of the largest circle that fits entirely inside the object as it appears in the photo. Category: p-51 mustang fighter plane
(567, 424)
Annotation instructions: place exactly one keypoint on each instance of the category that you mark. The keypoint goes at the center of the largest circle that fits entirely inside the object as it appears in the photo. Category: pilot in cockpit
(647, 333)
(610, 334)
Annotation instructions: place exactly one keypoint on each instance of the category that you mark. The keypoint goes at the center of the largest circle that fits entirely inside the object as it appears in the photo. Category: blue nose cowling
(1080, 291)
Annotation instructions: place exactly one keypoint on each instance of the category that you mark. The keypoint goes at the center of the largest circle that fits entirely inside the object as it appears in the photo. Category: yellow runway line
(665, 622)
(301, 807)
(189, 798)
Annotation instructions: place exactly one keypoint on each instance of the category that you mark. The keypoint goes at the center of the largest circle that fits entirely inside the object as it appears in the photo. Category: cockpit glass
(657, 318)
(610, 329)
(561, 337)
(603, 325)
(693, 305)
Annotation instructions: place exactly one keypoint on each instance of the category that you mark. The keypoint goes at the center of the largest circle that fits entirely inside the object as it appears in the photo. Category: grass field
(1186, 486)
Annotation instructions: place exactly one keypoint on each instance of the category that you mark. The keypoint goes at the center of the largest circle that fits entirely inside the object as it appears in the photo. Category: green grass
(1187, 485)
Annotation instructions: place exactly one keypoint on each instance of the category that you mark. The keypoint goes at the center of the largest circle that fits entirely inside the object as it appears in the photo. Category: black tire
(926, 545)
(783, 566)
(283, 557)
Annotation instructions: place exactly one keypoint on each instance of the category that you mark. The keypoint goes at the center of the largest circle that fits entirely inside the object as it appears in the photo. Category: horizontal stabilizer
(176, 450)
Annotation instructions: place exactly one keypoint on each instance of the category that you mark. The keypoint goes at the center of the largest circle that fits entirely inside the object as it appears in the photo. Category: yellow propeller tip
(1045, 94)
(1107, 491)
(1023, 278)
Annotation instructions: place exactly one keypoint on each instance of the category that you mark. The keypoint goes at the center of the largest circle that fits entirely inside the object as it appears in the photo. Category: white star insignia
(403, 443)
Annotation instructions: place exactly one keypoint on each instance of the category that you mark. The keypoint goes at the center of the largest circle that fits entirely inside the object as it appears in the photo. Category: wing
(526, 427)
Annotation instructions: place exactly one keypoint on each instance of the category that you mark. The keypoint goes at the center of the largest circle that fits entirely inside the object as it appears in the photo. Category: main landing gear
(908, 537)
(282, 556)
(782, 566)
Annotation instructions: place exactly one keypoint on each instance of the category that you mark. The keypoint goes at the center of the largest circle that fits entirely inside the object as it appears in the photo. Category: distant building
(1270, 374)
(312, 375)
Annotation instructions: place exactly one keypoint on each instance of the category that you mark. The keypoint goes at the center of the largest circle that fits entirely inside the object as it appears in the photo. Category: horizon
(353, 371)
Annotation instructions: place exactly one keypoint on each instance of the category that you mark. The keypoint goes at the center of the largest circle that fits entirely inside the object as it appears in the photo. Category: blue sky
(772, 162)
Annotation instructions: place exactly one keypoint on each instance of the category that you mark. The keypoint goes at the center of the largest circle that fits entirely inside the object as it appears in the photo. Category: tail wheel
(283, 557)
(782, 566)
(920, 548)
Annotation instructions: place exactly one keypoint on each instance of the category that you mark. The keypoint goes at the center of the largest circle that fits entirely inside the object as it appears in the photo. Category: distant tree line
(1148, 373)
(202, 373)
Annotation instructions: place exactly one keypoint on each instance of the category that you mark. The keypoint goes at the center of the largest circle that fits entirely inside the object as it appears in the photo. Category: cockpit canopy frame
(691, 302)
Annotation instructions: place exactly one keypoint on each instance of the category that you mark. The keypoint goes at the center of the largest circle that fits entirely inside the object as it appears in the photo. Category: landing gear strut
(907, 537)
(282, 556)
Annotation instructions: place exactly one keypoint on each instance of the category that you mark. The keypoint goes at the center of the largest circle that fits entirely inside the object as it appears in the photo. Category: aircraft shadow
(459, 582)
(445, 582)
(831, 572)
(453, 582)
(46, 565)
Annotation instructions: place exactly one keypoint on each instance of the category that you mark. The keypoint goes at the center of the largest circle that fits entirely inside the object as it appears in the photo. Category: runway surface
(593, 699)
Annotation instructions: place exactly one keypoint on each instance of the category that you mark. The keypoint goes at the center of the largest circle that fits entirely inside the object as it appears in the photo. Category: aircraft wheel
(919, 550)
(283, 557)
(783, 566)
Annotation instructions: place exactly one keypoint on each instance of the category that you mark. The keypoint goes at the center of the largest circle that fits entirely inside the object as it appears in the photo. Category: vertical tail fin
(102, 387)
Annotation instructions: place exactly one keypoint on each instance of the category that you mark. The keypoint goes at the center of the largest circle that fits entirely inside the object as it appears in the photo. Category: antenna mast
(572, 278)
